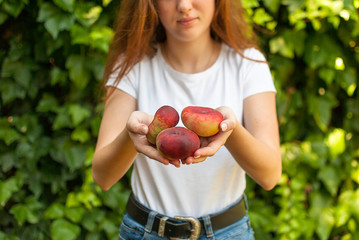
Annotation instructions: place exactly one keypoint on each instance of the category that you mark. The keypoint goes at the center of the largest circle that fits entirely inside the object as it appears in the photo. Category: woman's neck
(191, 57)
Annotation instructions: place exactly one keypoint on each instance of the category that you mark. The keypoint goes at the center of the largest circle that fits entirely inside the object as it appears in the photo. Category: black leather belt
(183, 227)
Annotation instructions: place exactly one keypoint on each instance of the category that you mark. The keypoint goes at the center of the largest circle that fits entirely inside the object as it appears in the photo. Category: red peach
(177, 143)
(203, 121)
(165, 117)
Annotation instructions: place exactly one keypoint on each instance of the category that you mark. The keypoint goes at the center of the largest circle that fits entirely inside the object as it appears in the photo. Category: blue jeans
(131, 230)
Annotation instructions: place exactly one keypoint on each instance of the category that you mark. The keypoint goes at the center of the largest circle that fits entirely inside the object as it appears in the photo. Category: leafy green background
(52, 56)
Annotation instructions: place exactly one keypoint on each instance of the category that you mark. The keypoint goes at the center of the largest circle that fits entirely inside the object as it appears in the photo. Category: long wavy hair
(138, 30)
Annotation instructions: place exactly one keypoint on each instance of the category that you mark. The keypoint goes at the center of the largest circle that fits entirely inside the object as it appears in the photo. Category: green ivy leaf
(10, 186)
(80, 134)
(347, 80)
(250, 3)
(95, 125)
(28, 124)
(79, 72)
(336, 142)
(21, 71)
(321, 109)
(295, 40)
(26, 212)
(318, 201)
(78, 113)
(327, 74)
(14, 7)
(3, 17)
(278, 45)
(9, 135)
(101, 37)
(88, 13)
(80, 35)
(294, 5)
(116, 197)
(7, 188)
(89, 156)
(55, 20)
(92, 218)
(58, 23)
(96, 64)
(46, 11)
(331, 178)
(342, 215)
(261, 17)
(36, 184)
(62, 229)
(48, 103)
(20, 212)
(58, 76)
(56, 210)
(87, 198)
(72, 201)
(272, 5)
(67, 5)
(321, 150)
(355, 174)
(110, 228)
(63, 119)
(106, 2)
(349, 200)
(326, 223)
(7, 161)
(98, 37)
(11, 91)
(75, 156)
(321, 50)
(75, 214)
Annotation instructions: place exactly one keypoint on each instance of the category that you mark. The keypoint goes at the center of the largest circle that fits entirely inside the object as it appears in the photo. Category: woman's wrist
(233, 138)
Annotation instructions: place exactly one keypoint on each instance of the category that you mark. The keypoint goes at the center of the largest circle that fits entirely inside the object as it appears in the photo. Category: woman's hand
(210, 145)
(137, 127)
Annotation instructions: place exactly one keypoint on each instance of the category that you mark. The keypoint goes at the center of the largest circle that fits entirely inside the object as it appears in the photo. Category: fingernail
(224, 127)
(198, 156)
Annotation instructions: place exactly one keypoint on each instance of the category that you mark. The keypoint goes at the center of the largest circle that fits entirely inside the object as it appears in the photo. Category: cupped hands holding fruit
(205, 131)
(137, 127)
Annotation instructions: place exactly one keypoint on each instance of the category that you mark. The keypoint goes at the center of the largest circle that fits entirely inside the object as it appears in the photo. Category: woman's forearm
(111, 162)
(259, 159)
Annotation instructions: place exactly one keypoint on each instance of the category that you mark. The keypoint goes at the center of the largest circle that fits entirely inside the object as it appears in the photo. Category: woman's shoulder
(246, 54)
(254, 54)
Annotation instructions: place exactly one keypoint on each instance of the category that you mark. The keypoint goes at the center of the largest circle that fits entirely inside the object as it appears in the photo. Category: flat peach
(203, 121)
(177, 143)
(165, 117)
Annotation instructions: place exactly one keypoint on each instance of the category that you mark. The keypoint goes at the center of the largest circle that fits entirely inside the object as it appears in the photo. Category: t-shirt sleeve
(257, 76)
(127, 84)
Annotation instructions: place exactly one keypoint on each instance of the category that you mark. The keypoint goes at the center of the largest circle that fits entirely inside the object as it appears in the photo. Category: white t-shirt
(210, 186)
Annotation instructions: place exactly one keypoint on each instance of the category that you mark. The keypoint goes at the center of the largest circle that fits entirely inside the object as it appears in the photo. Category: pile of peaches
(174, 142)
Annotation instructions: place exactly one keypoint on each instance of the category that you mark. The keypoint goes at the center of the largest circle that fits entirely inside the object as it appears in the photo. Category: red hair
(138, 30)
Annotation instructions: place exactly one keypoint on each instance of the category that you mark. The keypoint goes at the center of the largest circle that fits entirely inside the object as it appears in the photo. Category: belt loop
(150, 220)
(245, 201)
(208, 226)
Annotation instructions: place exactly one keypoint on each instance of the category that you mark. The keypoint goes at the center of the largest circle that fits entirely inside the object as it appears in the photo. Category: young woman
(187, 53)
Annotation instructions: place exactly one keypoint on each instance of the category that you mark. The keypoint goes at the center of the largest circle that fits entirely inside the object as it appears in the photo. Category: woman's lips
(186, 21)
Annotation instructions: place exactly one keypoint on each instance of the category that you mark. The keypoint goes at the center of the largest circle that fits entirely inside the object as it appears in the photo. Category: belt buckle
(195, 224)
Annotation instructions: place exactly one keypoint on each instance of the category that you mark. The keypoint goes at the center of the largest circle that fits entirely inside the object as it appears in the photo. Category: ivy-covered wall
(52, 56)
